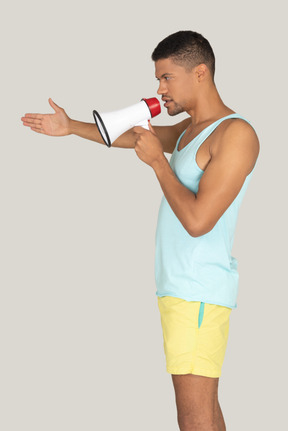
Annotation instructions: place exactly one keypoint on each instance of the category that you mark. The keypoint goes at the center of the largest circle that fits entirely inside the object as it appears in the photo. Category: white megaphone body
(112, 124)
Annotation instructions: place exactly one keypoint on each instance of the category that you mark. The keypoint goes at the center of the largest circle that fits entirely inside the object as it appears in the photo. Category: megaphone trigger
(143, 124)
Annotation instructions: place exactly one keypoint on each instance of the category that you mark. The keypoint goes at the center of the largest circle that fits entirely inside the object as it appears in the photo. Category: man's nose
(162, 88)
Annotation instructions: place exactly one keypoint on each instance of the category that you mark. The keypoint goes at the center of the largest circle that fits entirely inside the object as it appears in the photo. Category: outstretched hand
(49, 124)
(148, 146)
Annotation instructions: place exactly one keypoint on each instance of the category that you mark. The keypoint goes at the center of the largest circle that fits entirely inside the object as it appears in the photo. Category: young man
(214, 153)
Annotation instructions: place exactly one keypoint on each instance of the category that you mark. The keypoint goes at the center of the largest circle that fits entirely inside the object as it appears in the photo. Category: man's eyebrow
(164, 74)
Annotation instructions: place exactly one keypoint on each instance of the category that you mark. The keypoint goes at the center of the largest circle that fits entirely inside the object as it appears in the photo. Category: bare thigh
(196, 397)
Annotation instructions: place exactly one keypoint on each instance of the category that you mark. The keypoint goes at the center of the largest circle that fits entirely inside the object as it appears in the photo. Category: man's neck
(209, 107)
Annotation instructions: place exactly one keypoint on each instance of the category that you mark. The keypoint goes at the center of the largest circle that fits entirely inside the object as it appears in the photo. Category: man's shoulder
(236, 131)
(236, 140)
(239, 125)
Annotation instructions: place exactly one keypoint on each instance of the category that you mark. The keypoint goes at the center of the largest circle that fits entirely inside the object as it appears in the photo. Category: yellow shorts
(195, 336)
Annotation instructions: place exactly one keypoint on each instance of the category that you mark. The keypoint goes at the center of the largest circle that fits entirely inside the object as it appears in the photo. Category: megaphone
(112, 124)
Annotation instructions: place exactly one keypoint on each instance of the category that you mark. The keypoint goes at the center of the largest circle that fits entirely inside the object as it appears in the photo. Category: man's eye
(166, 78)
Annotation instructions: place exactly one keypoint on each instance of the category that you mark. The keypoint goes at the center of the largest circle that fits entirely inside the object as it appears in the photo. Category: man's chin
(175, 111)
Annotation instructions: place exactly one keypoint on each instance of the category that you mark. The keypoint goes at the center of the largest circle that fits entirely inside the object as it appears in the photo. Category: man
(213, 155)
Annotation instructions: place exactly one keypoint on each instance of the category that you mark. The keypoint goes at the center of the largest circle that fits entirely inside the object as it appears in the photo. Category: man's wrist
(72, 127)
(159, 163)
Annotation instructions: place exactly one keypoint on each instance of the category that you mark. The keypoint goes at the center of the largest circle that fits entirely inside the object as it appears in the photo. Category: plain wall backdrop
(80, 333)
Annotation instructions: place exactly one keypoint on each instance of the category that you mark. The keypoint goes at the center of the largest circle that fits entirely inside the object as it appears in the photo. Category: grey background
(80, 334)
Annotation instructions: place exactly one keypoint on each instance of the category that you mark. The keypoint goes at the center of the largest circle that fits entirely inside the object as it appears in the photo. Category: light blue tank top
(197, 268)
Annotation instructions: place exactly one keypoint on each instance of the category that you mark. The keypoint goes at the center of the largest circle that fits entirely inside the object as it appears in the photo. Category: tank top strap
(179, 139)
(210, 129)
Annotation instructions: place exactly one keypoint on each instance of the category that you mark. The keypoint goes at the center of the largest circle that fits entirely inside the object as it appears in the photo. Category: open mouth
(166, 102)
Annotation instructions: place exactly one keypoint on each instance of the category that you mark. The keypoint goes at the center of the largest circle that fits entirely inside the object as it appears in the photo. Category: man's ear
(201, 72)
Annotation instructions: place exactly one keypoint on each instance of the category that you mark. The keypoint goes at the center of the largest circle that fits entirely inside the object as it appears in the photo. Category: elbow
(195, 233)
(199, 229)
(200, 222)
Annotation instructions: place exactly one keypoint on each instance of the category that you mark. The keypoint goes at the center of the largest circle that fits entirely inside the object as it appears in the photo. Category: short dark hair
(186, 48)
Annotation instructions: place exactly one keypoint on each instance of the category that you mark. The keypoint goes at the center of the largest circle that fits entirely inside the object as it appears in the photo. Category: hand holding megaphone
(148, 146)
(113, 124)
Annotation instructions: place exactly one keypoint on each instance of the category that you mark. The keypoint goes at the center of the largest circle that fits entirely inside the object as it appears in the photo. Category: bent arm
(221, 182)
(168, 136)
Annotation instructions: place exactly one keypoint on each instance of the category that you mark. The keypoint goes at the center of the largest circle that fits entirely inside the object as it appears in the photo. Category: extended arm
(231, 161)
(59, 124)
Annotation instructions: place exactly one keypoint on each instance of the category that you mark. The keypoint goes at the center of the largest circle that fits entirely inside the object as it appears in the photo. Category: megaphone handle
(143, 124)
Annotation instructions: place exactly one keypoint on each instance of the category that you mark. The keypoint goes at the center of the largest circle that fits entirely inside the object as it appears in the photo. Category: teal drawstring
(201, 314)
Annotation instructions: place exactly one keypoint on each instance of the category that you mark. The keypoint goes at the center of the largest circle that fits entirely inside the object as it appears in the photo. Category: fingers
(30, 121)
(33, 116)
(139, 130)
(35, 127)
(34, 121)
(38, 130)
(41, 116)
